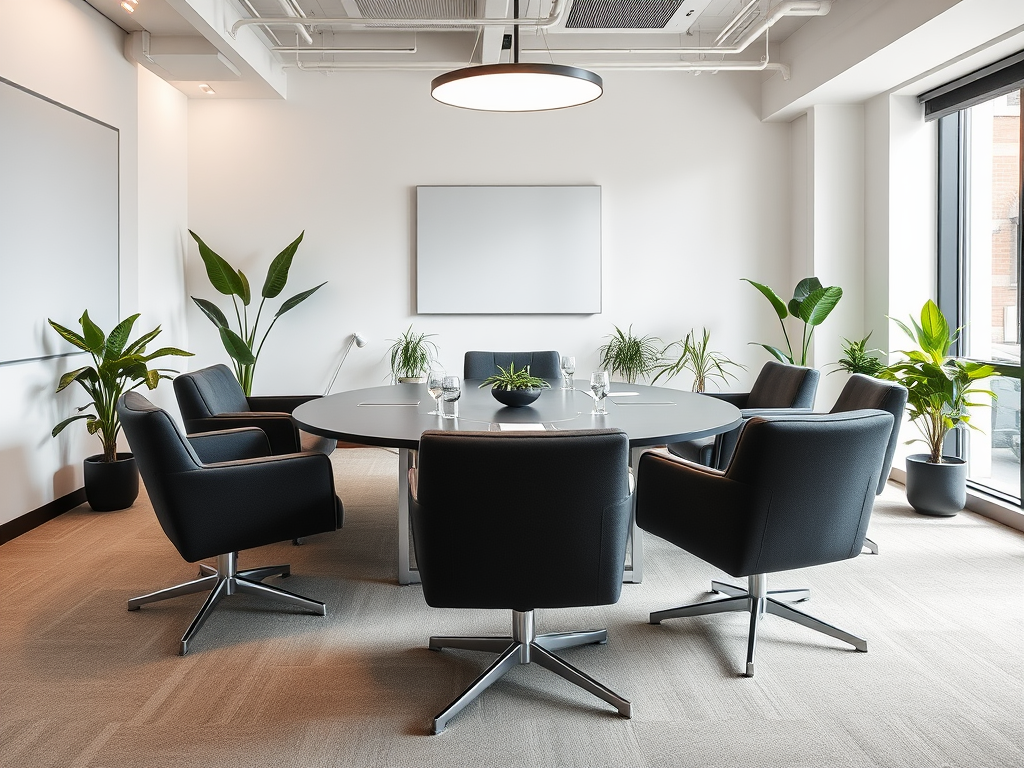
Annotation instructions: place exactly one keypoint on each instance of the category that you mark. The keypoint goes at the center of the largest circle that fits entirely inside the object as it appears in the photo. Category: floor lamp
(353, 338)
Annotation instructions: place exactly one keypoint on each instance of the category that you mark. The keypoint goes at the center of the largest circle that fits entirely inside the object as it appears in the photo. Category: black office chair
(521, 521)
(863, 391)
(219, 492)
(480, 365)
(212, 399)
(798, 492)
(777, 386)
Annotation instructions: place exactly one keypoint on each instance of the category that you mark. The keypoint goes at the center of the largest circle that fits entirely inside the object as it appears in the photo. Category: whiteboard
(508, 250)
(58, 223)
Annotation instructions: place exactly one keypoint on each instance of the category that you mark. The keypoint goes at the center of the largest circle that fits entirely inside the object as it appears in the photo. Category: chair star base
(223, 580)
(758, 600)
(523, 647)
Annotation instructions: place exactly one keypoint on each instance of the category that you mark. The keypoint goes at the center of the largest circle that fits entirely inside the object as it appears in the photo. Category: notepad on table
(525, 427)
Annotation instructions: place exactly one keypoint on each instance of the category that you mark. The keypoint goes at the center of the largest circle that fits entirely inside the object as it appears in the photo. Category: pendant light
(517, 87)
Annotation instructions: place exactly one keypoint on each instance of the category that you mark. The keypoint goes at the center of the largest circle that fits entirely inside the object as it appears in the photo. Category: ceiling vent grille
(621, 14)
(417, 9)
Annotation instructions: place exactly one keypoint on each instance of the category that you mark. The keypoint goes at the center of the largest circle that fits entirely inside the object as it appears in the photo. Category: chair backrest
(783, 386)
(867, 392)
(208, 392)
(480, 365)
(522, 520)
(163, 455)
(805, 485)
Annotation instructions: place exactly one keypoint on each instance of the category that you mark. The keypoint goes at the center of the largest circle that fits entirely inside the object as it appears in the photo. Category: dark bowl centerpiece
(514, 388)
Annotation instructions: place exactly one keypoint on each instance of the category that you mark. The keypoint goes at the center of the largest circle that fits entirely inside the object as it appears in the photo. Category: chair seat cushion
(698, 451)
(310, 443)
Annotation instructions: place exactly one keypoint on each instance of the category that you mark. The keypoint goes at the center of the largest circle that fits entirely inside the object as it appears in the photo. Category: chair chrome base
(223, 580)
(757, 600)
(523, 647)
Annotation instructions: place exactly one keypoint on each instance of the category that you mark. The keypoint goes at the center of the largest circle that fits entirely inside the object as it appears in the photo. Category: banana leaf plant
(811, 303)
(938, 386)
(241, 344)
(118, 367)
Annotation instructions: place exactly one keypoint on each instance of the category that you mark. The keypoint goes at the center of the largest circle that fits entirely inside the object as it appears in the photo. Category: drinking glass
(568, 364)
(451, 391)
(435, 386)
(599, 385)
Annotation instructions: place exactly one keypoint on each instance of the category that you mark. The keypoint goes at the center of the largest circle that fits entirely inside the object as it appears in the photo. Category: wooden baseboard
(19, 525)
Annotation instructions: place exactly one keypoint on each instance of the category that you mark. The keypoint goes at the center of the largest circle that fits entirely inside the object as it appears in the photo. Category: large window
(980, 170)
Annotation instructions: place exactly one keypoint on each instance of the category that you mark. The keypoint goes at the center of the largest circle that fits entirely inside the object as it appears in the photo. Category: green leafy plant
(509, 378)
(811, 303)
(241, 344)
(118, 367)
(411, 354)
(857, 358)
(632, 357)
(938, 386)
(696, 356)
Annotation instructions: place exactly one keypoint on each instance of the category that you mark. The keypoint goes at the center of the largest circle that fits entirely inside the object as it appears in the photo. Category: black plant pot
(939, 490)
(516, 398)
(111, 485)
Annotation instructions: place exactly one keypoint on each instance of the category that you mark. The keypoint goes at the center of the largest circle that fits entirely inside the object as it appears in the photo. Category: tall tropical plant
(811, 303)
(632, 357)
(241, 344)
(696, 356)
(118, 367)
(938, 386)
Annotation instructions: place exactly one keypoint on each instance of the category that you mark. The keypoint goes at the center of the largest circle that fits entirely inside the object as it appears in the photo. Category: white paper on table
(623, 394)
(527, 427)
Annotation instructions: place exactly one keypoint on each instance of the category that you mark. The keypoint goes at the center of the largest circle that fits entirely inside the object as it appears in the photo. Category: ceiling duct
(621, 14)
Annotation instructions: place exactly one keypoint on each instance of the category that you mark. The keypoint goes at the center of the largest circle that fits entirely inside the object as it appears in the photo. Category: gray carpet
(83, 682)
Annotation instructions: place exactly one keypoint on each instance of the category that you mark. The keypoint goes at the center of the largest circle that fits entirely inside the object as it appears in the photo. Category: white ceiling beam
(490, 43)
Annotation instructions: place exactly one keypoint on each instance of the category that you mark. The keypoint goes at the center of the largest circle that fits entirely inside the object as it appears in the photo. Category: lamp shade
(517, 87)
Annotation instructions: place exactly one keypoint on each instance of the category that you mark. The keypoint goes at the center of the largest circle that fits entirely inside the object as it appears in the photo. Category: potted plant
(411, 354)
(514, 388)
(811, 303)
(632, 357)
(857, 358)
(938, 399)
(111, 478)
(696, 356)
(241, 345)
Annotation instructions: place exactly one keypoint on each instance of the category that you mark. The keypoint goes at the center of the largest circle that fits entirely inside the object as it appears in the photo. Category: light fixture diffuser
(517, 87)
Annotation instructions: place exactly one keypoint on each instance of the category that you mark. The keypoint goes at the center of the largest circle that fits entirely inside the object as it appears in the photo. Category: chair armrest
(280, 429)
(230, 444)
(739, 399)
(768, 413)
(281, 403)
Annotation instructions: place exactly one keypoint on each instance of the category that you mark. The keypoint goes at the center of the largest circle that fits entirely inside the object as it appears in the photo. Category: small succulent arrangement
(411, 354)
(812, 303)
(508, 379)
(242, 344)
(857, 358)
(630, 356)
(697, 356)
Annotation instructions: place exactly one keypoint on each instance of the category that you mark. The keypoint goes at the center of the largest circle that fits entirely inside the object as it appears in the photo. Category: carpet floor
(84, 683)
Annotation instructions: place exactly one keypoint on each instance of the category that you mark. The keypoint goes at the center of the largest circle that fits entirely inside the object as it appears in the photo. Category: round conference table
(396, 415)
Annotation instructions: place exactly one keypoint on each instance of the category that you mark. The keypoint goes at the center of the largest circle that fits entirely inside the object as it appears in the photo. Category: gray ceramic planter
(939, 490)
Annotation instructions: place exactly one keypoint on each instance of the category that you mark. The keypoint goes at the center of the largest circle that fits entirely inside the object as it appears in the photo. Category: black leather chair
(863, 391)
(777, 386)
(520, 521)
(798, 492)
(480, 365)
(212, 399)
(219, 492)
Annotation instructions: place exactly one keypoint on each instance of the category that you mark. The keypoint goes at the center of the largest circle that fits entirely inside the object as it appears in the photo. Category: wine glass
(451, 391)
(435, 386)
(568, 364)
(599, 384)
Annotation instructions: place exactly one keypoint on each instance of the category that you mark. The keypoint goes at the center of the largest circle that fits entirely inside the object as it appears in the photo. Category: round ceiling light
(517, 87)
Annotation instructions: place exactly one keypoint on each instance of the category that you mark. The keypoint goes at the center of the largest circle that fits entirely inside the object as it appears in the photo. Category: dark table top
(396, 416)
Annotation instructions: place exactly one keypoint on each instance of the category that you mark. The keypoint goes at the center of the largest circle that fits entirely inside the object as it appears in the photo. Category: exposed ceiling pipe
(291, 8)
(308, 49)
(252, 12)
(735, 21)
(441, 66)
(553, 18)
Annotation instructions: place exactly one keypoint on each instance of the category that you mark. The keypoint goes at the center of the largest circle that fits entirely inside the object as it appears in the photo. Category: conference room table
(395, 416)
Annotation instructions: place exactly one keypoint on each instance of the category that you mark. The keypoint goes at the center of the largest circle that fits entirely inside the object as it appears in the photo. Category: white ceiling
(191, 41)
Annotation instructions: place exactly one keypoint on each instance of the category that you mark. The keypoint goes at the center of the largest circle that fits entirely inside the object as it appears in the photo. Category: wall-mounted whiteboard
(508, 250)
(58, 223)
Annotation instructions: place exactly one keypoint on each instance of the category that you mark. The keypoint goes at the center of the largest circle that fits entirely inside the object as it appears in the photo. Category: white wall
(695, 196)
(83, 68)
